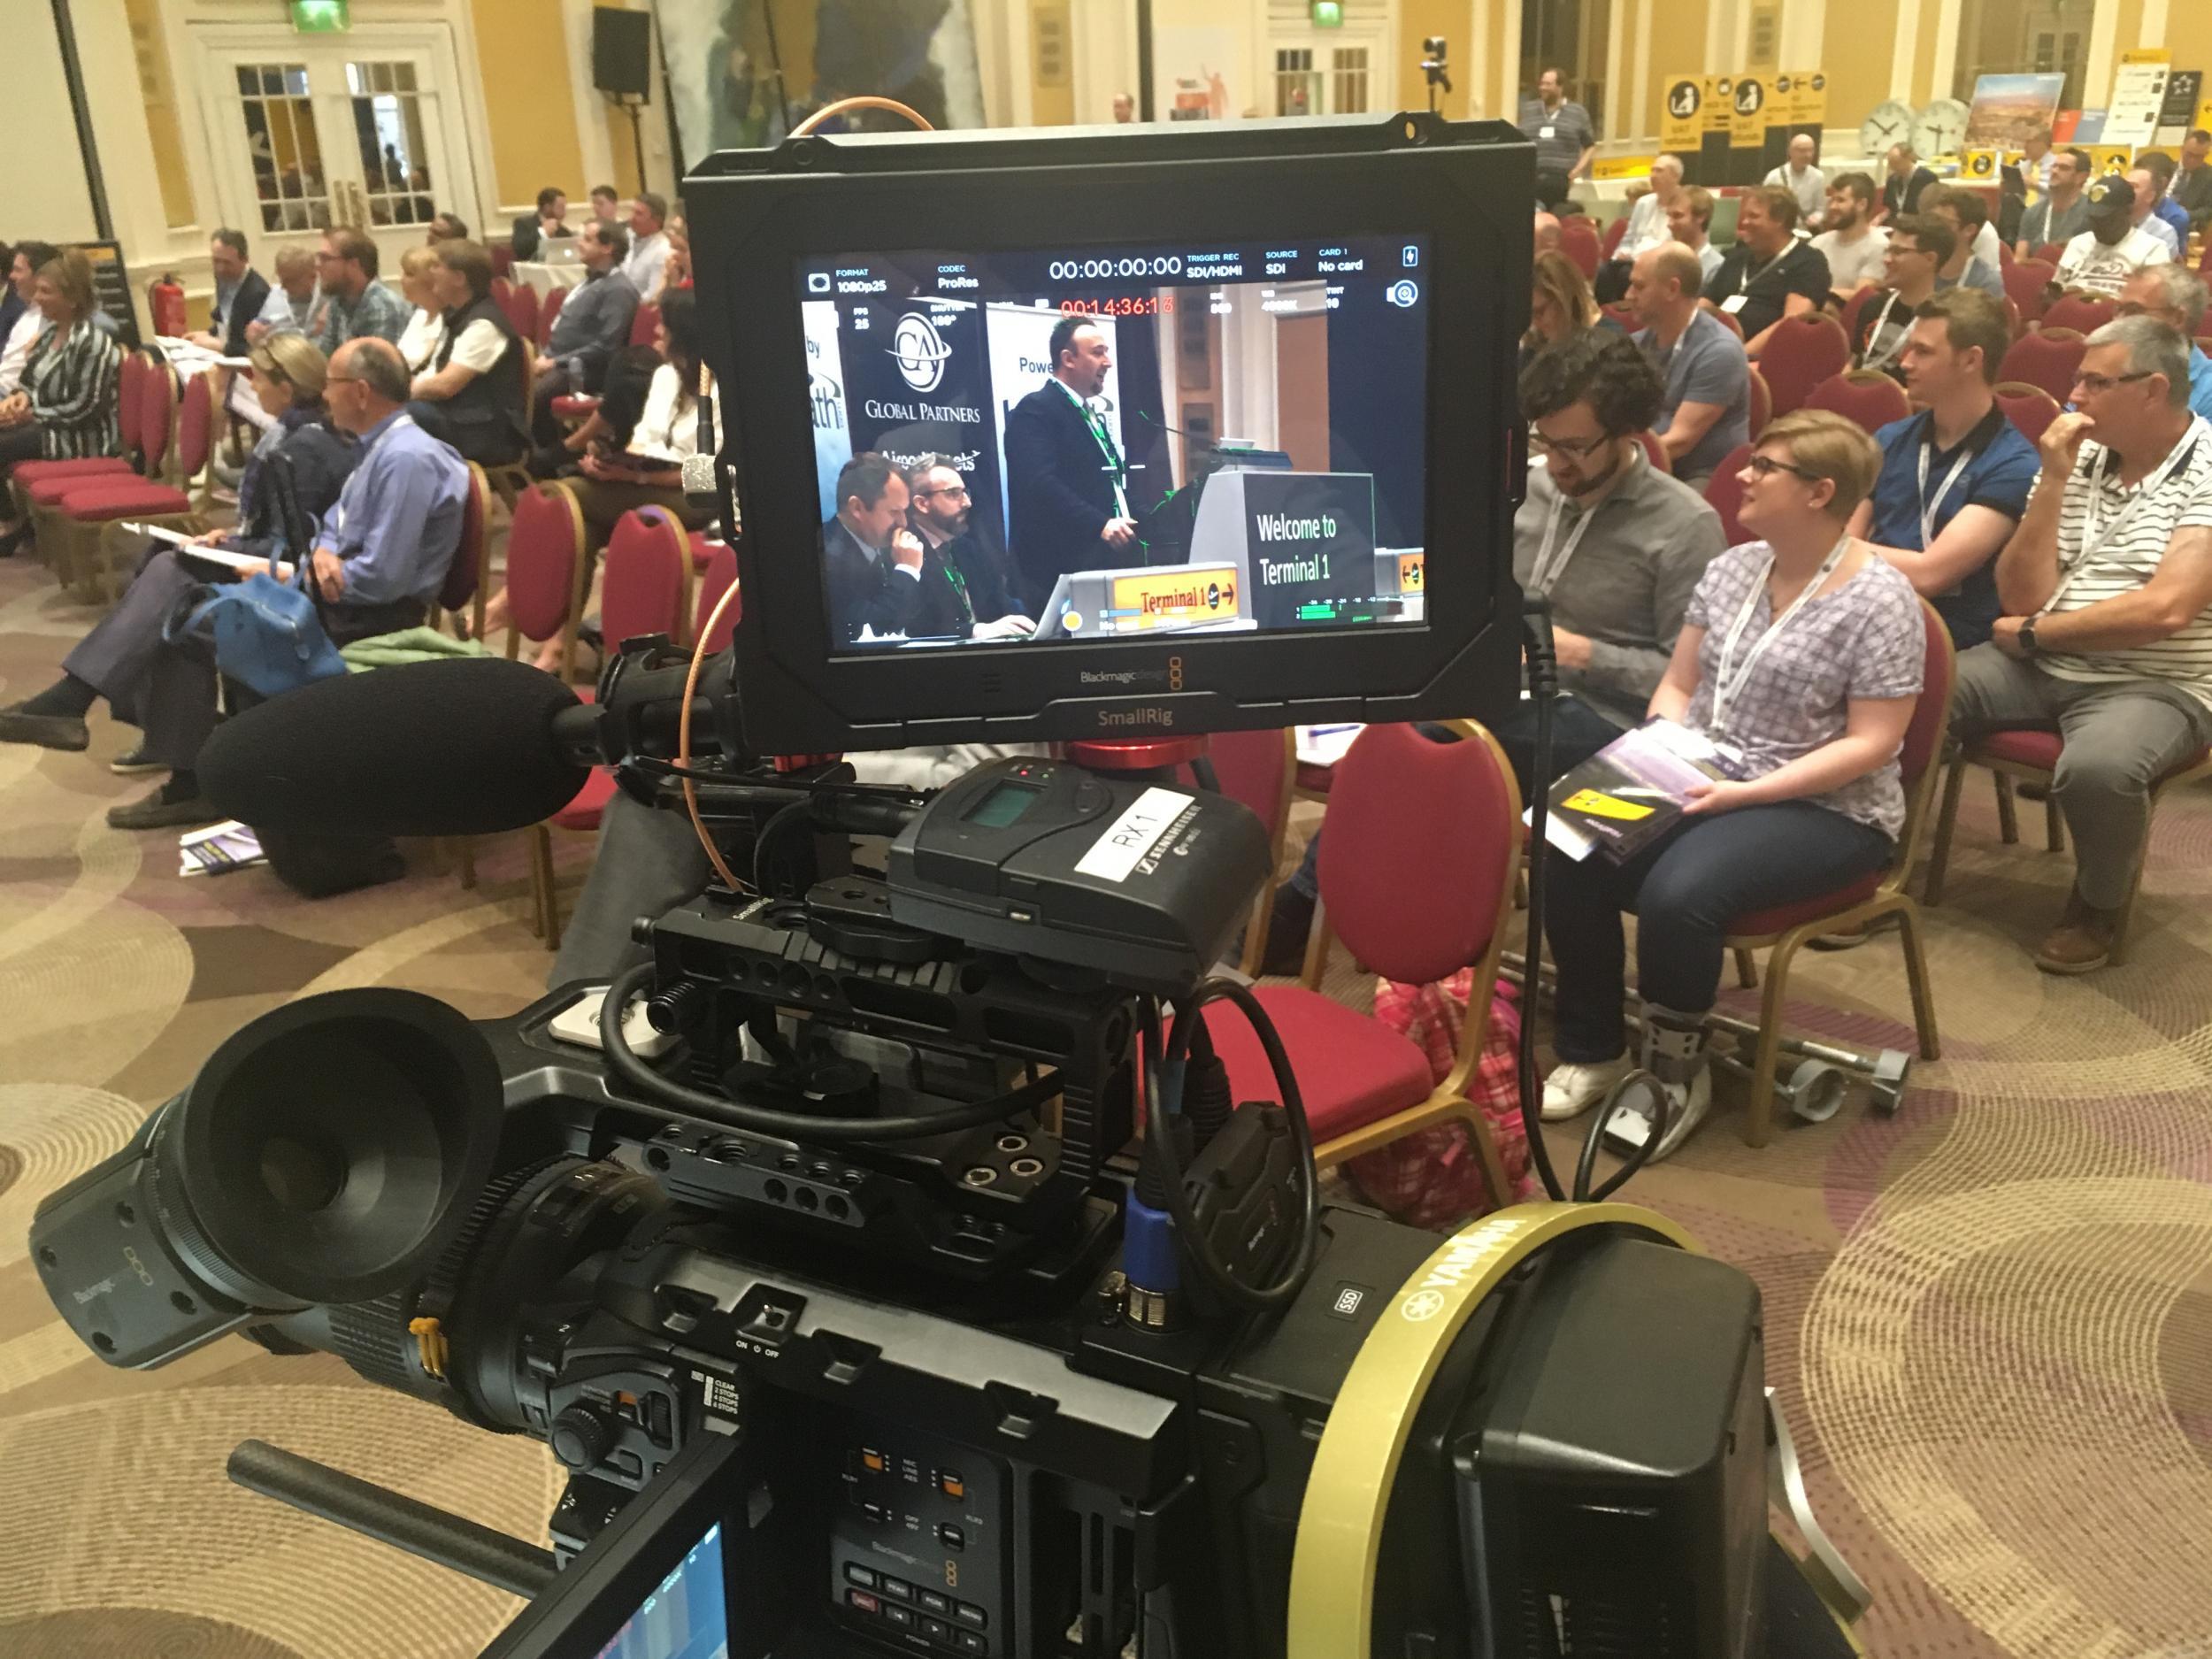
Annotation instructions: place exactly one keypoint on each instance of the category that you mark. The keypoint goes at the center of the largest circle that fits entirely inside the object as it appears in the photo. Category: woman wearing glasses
(1800, 661)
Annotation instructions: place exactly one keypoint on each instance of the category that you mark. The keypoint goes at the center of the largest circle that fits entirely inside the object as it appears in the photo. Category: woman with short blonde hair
(1793, 680)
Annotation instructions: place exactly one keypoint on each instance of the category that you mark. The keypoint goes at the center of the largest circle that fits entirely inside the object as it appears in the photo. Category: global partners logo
(921, 352)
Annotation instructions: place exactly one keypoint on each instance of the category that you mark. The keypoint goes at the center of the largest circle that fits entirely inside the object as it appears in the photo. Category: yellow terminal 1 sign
(1175, 597)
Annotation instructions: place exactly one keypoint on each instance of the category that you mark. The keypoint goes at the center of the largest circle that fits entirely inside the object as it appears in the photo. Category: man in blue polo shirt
(2175, 294)
(1955, 476)
(1707, 410)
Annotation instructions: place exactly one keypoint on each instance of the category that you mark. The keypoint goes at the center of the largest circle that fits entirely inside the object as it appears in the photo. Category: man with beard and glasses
(963, 592)
(1853, 244)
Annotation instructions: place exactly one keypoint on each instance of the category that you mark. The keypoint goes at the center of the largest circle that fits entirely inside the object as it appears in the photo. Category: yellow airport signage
(1175, 595)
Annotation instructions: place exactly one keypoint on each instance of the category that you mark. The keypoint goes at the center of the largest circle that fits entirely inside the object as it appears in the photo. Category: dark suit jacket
(245, 305)
(1902, 196)
(2192, 191)
(1058, 493)
(863, 590)
(526, 237)
(944, 607)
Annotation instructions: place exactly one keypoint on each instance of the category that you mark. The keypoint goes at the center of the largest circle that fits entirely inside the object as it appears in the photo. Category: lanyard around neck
(1728, 679)
(1928, 508)
(2095, 539)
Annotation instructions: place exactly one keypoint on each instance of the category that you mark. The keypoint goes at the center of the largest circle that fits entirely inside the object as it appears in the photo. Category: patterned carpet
(1990, 1316)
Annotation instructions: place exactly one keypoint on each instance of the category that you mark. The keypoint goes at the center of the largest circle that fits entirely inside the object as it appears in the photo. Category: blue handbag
(265, 632)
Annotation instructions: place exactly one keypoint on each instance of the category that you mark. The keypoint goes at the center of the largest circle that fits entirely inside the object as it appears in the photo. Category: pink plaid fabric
(1435, 1178)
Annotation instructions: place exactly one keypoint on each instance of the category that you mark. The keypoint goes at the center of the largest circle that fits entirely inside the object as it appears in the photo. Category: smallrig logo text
(1137, 717)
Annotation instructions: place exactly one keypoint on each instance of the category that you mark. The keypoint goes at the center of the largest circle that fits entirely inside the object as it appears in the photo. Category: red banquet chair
(1799, 354)
(2027, 285)
(1611, 244)
(2050, 253)
(2030, 408)
(1854, 308)
(549, 314)
(1727, 319)
(1579, 240)
(1724, 492)
(717, 573)
(2048, 358)
(1785, 930)
(1258, 770)
(646, 588)
(2083, 313)
(521, 306)
(645, 324)
(2032, 757)
(96, 501)
(1398, 799)
(39, 486)
(1762, 403)
(1870, 399)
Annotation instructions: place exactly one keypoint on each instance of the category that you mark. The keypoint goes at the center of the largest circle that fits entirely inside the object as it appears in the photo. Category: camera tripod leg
(391, 1517)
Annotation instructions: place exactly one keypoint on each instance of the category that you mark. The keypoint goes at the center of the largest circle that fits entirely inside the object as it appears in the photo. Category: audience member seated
(631, 455)
(475, 395)
(1919, 244)
(2158, 168)
(649, 242)
(1966, 216)
(292, 299)
(593, 324)
(2035, 160)
(2063, 214)
(1800, 657)
(676, 271)
(68, 403)
(354, 305)
(425, 333)
(1647, 227)
(1706, 409)
(606, 204)
(1615, 545)
(2191, 187)
(28, 321)
(964, 592)
(1689, 218)
(2107, 635)
(872, 563)
(1546, 233)
(447, 227)
(1903, 182)
(1955, 476)
(1560, 305)
(1802, 177)
(2175, 295)
(1853, 244)
(1769, 274)
(240, 293)
(2113, 247)
(122, 659)
(549, 223)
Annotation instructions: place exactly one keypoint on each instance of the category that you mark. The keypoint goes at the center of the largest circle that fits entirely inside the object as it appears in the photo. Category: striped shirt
(2133, 530)
(74, 381)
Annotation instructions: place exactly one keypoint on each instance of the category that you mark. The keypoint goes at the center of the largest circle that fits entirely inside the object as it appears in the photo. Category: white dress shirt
(648, 255)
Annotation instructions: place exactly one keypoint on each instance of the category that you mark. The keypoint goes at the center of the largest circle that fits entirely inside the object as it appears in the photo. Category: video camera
(891, 1260)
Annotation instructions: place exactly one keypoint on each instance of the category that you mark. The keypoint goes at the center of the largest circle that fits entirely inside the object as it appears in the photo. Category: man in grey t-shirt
(2063, 214)
(1853, 244)
(1706, 410)
(1562, 134)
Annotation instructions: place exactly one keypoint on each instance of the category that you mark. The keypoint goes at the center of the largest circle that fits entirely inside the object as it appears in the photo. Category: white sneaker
(1688, 1104)
(1572, 1089)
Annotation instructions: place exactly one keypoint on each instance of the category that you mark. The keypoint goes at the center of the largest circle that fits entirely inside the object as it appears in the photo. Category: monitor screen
(1050, 446)
(687, 1616)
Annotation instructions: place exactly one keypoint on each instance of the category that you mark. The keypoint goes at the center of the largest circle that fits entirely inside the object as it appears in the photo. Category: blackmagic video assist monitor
(1116, 434)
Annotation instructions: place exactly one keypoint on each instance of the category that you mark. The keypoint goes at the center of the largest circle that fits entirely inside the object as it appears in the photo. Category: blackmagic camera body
(889, 1258)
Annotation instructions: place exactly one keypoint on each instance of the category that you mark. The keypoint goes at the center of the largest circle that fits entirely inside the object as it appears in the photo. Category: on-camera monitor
(1042, 446)
(1119, 432)
(687, 1616)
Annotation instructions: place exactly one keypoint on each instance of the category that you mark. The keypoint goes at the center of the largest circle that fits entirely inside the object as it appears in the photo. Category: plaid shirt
(379, 311)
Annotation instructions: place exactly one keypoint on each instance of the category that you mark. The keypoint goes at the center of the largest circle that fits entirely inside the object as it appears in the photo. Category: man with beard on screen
(963, 592)
(1067, 508)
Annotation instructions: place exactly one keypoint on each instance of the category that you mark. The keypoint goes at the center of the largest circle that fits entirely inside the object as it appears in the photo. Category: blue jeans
(1578, 732)
(1688, 888)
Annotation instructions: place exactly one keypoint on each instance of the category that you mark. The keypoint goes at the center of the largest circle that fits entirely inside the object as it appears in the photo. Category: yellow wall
(1855, 52)
(1677, 47)
(1416, 20)
(527, 99)
(1924, 58)
(2189, 37)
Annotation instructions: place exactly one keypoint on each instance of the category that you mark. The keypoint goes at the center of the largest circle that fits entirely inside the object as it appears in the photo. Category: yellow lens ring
(1340, 1522)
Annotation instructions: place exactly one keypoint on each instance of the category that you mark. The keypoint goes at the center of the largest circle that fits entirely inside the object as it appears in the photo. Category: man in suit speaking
(1066, 506)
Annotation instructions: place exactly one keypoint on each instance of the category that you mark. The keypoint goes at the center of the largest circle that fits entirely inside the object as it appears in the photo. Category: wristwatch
(2027, 636)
